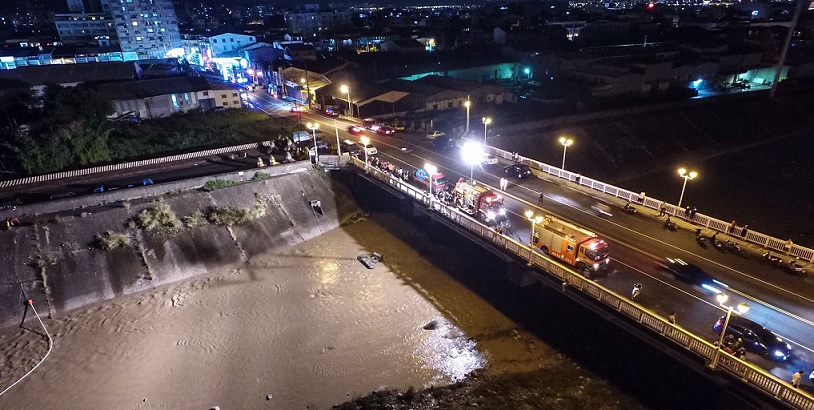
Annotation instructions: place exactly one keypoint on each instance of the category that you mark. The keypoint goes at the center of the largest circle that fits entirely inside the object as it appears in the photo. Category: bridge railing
(745, 371)
(766, 241)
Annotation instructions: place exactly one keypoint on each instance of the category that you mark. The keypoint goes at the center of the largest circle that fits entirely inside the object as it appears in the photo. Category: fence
(747, 372)
(766, 241)
(126, 165)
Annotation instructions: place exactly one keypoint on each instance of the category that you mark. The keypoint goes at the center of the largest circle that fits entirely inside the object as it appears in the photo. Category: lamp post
(345, 90)
(535, 220)
(431, 170)
(338, 145)
(314, 127)
(365, 140)
(566, 142)
(467, 104)
(742, 308)
(687, 176)
(486, 121)
(471, 153)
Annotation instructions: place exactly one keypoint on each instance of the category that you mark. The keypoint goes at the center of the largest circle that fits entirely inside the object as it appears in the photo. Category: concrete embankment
(53, 257)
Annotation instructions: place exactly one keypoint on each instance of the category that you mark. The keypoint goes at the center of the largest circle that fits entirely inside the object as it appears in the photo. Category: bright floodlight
(722, 298)
(566, 141)
(344, 88)
(743, 307)
(683, 173)
(538, 219)
(486, 120)
(467, 103)
(430, 168)
(529, 213)
(312, 127)
(471, 153)
(365, 140)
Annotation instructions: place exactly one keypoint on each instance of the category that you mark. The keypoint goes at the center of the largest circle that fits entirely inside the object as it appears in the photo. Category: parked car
(756, 338)
(330, 111)
(397, 127)
(371, 150)
(219, 109)
(385, 130)
(351, 148)
(353, 129)
(518, 171)
(692, 274)
(489, 159)
(435, 134)
(63, 195)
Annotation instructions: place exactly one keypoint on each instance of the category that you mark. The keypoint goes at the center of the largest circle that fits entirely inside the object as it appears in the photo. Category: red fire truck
(479, 201)
(573, 245)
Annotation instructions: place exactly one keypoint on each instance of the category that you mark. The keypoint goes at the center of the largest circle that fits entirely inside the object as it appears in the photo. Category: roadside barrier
(744, 371)
(126, 165)
(769, 242)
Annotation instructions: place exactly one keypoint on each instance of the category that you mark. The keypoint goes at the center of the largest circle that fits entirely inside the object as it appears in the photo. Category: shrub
(229, 216)
(215, 184)
(40, 261)
(260, 176)
(160, 219)
(195, 220)
(111, 240)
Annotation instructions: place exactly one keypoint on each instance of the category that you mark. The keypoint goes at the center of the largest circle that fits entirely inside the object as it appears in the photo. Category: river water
(309, 326)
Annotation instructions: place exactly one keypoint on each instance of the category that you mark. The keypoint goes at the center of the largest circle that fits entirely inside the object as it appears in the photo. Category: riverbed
(308, 327)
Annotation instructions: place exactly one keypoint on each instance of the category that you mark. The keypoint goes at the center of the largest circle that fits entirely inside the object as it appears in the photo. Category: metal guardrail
(126, 165)
(746, 372)
(766, 241)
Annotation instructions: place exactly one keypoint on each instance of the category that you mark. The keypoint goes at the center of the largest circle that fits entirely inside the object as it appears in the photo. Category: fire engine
(422, 178)
(477, 200)
(572, 244)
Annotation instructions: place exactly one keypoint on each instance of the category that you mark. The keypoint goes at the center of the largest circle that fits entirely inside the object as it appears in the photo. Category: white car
(435, 134)
(371, 150)
(489, 159)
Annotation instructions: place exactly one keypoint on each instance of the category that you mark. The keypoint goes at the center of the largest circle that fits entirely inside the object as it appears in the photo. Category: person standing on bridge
(504, 183)
(796, 379)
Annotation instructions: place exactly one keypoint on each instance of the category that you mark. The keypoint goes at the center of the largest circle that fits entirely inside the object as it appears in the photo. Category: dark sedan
(693, 274)
(518, 171)
(756, 338)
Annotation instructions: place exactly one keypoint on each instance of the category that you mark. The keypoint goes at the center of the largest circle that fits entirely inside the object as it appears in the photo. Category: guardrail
(766, 241)
(126, 165)
(746, 372)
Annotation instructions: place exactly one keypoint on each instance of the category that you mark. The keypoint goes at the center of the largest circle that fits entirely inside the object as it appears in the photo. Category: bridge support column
(520, 275)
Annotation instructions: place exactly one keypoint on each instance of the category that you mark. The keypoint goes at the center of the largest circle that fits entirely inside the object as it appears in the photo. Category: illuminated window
(135, 23)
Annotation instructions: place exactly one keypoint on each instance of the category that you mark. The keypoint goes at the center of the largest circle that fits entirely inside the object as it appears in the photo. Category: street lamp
(314, 127)
(467, 104)
(687, 176)
(566, 142)
(471, 153)
(742, 308)
(431, 170)
(365, 140)
(535, 220)
(338, 145)
(486, 121)
(345, 90)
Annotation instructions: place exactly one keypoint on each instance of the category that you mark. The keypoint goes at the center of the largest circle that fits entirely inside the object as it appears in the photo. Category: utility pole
(782, 61)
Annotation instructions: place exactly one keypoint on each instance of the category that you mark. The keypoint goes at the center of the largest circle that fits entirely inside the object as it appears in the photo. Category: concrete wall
(81, 274)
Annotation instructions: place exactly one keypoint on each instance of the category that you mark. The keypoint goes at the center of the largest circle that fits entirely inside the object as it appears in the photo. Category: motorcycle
(670, 225)
(732, 247)
(698, 236)
(772, 259)
(793, 267)
(628, 209)
(715, 242)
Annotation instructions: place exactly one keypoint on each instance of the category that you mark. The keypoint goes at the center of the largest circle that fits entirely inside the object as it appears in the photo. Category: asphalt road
(779, 301)
(783, 303)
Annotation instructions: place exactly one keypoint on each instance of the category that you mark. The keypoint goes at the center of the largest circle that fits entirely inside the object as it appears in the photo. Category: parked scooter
(772, 259)
(715, 242)
(732, 247)
(793, 267)
(628, 209)
(698, 236)
(668, 224)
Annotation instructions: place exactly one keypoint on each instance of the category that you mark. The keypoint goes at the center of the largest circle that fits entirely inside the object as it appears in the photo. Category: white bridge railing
(766, 241)
(747, 372)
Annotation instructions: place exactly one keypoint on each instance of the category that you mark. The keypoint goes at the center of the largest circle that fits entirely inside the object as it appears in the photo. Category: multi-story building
(310, 23)
(86, 28)
(225, 43)
(147, 28)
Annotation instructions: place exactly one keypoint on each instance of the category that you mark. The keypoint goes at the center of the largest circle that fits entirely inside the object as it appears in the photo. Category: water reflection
(450, 352)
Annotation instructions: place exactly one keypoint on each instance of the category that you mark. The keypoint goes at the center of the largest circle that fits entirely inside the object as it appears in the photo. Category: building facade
(146, 27)
(311, 23)
(85, 28)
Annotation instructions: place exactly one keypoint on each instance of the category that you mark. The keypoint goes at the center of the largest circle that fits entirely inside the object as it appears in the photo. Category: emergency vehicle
(572, 244)
(479, 201)
(422, 178)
